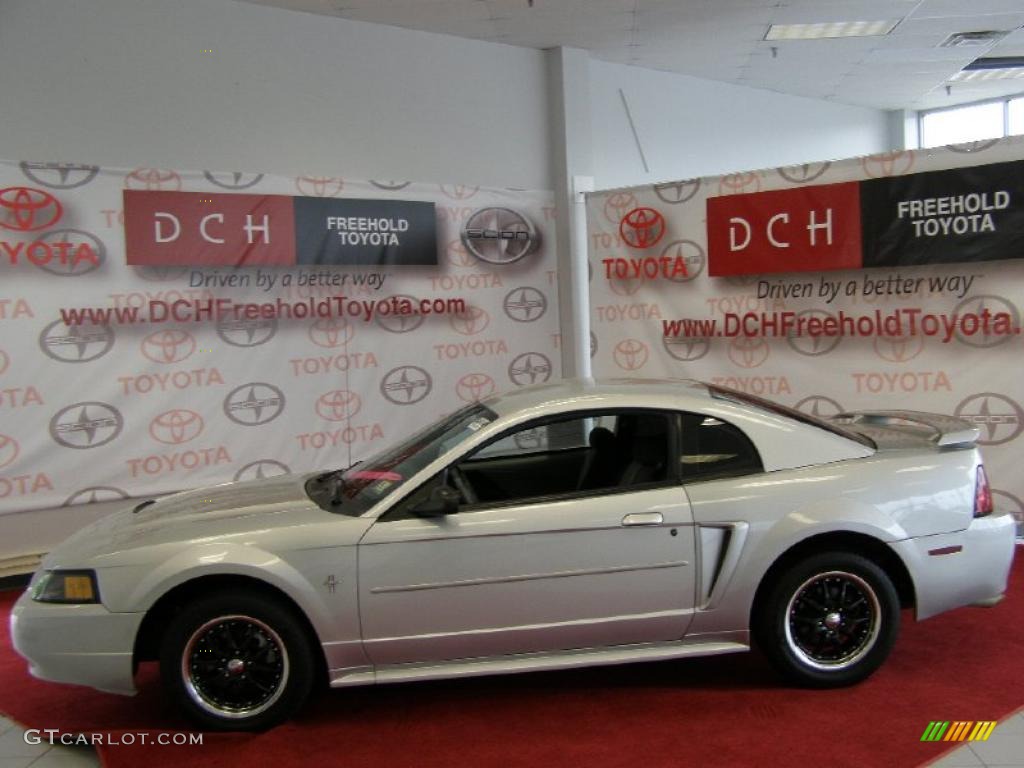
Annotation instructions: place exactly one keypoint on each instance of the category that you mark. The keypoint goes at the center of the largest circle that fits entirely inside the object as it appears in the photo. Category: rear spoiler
(947, 430)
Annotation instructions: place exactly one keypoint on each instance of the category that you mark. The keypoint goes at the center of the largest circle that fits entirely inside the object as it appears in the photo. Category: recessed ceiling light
(830, 29)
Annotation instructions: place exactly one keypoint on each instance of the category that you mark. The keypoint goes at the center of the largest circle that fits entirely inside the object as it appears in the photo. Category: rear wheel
(830, 620)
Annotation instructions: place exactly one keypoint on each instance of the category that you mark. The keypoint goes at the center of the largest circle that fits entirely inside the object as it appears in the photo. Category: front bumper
(78, 644)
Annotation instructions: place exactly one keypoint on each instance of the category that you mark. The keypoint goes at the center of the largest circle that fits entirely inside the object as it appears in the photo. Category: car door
(582, 568)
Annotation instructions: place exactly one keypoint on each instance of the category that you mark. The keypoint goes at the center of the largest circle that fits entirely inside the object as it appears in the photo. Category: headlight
(66, 587)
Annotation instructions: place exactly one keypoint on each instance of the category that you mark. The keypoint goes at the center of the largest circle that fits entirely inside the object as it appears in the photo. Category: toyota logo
(235, 180)
(406, 385)
(692, 255)
(77, 343)
(999, 418)
(887, 164)
(5, 361)
(160, 274)
(331, 332)
(25, 209)
(525, 305)
(390, 186)
(677, 192)
(458, 191)
(459, 255)
(813, 346)
(616, 204)
(499, 235)
(529, 368)
(254, 404)
(258, 470)
(95, 494)
(804, 173)
(319, 186)
(625, 286)
(630, 354)
(86, 425)
(978, 304)
(171, 345)
(9, 450)
(471, 322)
(475, 386)
(400, 323)
(59, 175)
(820, 406)
(685, 349)
(338, 405)
(642, 228)
(899, 349)
(176, 426)
(747, 352)
(71, 252)
(153, 180)
(247, 333)
(738, 183)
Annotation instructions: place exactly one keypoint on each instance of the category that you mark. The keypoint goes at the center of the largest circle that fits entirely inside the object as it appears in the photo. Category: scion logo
(95, 494)
(737, 183)
(692, 255)
(499, 235)
(999, 418)
(899, 349)
(176, 426)
(969, 147)
(887, 164)
(524, 305)
(9, 450)
(528, 439)
(406, 385)
(25, 209)
(319, 186)
(642, 228)
(331, 332)
(530, 368)
(153, 179)
(59, 175)
(677, 192)
(258, 470)
(459, 255)
(397, 323)
(254, 404)
(977, 305)
(247, 333)
(630, 354)
(234, 180)
(4, 361)
(1013, 505)
(458, 191)
(616, 204)
(593, 344)
(475, 386)
(88, 424)
(471, 322)
(168, 346)
(813, 346)
(338, 405)
(748, 352)
(160, 274)
(390, 186)
(67, 252)
(686, 350)
(804, 173)
(820, 406)
(75, 344)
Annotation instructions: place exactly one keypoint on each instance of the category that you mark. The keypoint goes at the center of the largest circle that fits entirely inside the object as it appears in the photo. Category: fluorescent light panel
(981, 75)
(830, 29)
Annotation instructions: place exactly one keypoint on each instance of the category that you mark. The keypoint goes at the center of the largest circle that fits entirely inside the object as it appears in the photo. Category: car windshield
(723, 393)
(362, 485)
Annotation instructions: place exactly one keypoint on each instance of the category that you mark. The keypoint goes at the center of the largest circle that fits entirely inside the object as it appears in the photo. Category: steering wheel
(462, 485)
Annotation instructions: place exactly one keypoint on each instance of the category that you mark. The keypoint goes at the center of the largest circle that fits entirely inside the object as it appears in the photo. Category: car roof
(601, 393)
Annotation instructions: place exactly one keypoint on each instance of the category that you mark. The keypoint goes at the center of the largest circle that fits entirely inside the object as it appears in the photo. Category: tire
(829, 621)
(238, 662)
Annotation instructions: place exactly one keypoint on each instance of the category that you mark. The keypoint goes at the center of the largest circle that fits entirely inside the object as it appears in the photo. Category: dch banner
(166, 329)
(890, 281)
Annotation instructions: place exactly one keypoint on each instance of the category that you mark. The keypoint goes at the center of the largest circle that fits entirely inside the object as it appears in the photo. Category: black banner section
(364, 232)
(943, 217)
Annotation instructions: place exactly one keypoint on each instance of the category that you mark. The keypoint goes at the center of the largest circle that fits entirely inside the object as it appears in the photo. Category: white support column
(571, 161)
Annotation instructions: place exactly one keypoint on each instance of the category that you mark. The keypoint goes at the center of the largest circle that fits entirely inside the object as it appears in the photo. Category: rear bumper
(78, 644)
(954, 569)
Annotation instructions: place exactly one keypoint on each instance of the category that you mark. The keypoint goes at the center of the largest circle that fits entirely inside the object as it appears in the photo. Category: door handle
(643, 518)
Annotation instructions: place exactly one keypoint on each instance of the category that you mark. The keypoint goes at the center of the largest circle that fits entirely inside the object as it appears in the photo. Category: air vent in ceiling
(972, 39)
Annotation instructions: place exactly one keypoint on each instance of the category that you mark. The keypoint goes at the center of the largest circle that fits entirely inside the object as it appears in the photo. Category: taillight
(982, 494)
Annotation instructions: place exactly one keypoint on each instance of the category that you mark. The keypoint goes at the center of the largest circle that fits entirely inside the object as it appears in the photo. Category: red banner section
(808, 229)
(189, 228)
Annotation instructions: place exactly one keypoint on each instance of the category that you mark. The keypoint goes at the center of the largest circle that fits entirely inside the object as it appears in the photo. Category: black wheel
(829, 621)
(237, 662)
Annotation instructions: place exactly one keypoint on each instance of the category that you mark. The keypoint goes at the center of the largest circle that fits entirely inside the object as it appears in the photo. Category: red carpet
(721, 711)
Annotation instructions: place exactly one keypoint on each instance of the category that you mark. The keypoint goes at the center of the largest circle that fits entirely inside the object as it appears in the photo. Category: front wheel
(829, 621)
(237, 662)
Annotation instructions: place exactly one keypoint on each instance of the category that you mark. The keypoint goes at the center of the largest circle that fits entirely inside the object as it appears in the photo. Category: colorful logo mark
(958, 730)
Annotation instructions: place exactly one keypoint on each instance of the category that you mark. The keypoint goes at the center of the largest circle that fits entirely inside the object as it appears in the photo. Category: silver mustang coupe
(563, 525)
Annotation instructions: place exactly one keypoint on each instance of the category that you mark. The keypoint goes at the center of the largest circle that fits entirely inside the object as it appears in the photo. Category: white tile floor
(1004, 748)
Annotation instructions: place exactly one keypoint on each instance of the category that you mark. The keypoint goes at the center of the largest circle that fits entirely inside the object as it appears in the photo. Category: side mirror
(442, 501)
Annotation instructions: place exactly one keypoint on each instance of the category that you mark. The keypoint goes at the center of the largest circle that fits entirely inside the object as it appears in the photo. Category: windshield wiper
(337, 495)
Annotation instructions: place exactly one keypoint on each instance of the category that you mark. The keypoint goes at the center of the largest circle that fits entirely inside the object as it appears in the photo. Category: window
(972, 122)
(712, 449)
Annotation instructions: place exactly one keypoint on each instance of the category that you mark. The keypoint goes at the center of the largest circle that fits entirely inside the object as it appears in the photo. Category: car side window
(712, 449)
